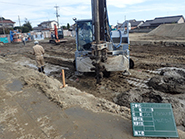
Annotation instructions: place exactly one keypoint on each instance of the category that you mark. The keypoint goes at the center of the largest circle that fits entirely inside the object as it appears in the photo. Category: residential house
(46, 25)
(37, 29)
(135, 24)
(6, 23)
(162, 20)
(146, 24)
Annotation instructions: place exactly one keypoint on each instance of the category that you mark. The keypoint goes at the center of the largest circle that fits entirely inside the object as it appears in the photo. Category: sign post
(153, 120)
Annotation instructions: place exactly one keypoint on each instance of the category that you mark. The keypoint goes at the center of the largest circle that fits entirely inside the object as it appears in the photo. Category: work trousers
(40, 61)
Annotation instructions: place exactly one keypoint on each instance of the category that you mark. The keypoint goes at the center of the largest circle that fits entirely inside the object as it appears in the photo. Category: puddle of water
(32, 65)
(48, 67)
(51, 68)
(16, 85)
(26, 63)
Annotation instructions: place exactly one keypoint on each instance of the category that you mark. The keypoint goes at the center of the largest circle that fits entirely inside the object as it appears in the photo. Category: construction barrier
(5, 38)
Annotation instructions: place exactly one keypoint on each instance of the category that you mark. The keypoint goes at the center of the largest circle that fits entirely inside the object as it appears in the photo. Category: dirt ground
(149, 58)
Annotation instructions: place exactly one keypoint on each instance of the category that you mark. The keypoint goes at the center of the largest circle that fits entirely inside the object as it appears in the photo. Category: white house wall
(52, 24)
(7, 25)
(140, 24)
(181, 20)
(67, 33)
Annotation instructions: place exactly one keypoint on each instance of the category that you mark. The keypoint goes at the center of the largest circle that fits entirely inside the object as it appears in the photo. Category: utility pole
(57, 15)
(19, 21)
(2, 24)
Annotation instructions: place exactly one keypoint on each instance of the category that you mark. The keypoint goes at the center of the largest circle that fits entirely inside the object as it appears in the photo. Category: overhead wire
(12, 3)
(22, 4)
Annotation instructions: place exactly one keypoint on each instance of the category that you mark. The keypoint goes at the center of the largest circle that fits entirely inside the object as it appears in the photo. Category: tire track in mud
(142, 83)
(138, 82)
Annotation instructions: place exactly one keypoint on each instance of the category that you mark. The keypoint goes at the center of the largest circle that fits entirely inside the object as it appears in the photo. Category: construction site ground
(32, 104)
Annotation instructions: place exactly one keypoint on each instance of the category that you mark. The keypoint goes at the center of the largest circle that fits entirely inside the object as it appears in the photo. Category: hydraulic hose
(120, 35)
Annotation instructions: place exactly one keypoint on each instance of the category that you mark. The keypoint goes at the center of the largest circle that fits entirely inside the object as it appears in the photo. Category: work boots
(41, 69)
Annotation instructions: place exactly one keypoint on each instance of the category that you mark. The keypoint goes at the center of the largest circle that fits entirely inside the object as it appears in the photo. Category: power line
(22, 4)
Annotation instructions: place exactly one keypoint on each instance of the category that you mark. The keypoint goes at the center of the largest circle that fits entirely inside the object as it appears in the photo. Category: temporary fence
(31, 36)
(5, 38)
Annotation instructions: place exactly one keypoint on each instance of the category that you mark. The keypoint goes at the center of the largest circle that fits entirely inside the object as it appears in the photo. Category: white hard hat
(36, 42)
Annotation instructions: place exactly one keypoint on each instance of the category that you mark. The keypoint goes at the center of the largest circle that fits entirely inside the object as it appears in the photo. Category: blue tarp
(11, 36)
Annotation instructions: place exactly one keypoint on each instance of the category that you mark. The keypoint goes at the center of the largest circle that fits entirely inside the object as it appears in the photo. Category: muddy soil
(147, 58)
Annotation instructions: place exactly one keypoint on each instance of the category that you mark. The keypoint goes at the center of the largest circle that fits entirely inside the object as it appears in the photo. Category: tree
(64, 27)
(26, 26)
(25, 29)
(68, 26)
(19, 28)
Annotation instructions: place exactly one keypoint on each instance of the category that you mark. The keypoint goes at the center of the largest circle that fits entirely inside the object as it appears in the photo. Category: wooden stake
(63, 79)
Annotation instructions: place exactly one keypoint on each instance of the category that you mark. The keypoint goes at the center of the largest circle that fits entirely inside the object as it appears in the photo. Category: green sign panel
(153, 120)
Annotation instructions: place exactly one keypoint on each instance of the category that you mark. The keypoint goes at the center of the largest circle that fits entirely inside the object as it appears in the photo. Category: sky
(36, 11)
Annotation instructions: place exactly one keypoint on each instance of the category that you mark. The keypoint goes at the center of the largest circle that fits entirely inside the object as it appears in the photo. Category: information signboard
(153, 120)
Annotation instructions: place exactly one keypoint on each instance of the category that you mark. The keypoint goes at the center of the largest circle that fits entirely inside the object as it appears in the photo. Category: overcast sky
(37, 11)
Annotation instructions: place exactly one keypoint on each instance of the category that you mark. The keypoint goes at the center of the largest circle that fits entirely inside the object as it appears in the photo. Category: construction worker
(38, 51)
(24, 40)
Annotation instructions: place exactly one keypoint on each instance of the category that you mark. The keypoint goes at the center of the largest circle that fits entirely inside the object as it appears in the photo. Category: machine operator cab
(84, 38)
(60, 33)
(84, 35)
